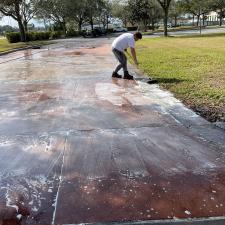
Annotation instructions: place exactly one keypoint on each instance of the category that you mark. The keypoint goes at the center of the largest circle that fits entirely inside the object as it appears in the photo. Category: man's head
(137, 36)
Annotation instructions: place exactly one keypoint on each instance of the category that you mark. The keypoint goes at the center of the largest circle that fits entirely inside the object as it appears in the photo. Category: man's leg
(119, 67)
(124, 65)
(121, 57)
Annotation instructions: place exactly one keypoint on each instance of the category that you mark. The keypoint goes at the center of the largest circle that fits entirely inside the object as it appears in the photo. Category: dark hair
(138, 35)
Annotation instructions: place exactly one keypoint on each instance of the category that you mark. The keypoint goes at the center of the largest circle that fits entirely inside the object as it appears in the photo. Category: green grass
(192, 68)
(6, 46)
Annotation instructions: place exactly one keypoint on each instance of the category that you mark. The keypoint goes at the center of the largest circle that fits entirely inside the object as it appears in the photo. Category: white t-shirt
(123, 42)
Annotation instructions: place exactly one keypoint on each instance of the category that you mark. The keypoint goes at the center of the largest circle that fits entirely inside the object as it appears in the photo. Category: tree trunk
(92, 24)
(145, 25)
(20, 23)
(125, 22)
(221, 17)
(25, 26)
(193, 20)
(63, 24)
(152, 24)
(22, 31)
(166, 10)
(203, 15)
(80, 25)
(198, 19)
(175, 21)
(107, 22)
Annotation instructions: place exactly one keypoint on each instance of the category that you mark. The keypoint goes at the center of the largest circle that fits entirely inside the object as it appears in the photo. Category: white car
(119, 29)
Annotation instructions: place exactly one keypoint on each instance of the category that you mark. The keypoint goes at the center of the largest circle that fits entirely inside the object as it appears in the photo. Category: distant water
(13, 23)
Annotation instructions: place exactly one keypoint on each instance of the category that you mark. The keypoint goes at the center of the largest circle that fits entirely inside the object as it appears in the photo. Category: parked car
(161, 25)
(96, 32)
(119, 29)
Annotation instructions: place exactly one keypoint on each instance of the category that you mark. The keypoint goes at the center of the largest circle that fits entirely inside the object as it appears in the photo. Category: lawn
(193, 68)
(5, 45)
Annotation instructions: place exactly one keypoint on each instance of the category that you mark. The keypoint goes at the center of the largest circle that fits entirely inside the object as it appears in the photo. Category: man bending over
(119, 46)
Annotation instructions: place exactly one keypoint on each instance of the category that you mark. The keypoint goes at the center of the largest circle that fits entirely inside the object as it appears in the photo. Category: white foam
(9, 202)
(187, 212)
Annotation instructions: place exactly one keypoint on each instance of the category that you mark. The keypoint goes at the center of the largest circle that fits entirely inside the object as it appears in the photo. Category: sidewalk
(79, 147)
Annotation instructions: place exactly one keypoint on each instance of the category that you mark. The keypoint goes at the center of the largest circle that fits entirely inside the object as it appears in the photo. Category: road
(190, 32)
(77, 146)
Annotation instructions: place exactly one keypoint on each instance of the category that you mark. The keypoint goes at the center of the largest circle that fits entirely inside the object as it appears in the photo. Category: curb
(203, 221)
(15, 50)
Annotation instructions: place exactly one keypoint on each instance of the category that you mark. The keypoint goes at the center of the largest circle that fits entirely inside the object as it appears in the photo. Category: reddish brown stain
(8, 215)
(74, 53)
(43, 97)
(155, 198)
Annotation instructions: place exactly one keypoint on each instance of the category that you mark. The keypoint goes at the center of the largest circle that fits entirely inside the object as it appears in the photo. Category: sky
(13, 23)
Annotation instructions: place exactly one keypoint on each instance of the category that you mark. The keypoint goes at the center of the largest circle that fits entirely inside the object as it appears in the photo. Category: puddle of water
(44, 97)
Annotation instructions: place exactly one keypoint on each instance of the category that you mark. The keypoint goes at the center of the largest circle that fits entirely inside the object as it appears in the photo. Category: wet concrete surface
(77, 146)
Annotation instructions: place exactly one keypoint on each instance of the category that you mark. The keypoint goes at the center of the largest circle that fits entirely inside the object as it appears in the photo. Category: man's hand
(133, 52)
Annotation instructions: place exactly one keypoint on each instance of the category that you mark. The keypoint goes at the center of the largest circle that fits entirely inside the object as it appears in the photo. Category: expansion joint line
(60, 181)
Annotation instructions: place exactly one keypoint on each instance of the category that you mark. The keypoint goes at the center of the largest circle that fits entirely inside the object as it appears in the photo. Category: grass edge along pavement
(192, 68)
(5, 46)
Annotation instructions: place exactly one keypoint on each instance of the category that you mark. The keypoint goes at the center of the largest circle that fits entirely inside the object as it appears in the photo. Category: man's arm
(133, 53)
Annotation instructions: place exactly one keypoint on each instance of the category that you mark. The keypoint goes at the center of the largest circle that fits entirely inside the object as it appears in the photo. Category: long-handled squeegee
(140, 77)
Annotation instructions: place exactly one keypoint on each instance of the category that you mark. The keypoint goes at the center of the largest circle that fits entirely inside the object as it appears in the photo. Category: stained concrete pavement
(77, 146)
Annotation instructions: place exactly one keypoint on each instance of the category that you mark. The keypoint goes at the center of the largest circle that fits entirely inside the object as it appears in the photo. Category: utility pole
(200, 13)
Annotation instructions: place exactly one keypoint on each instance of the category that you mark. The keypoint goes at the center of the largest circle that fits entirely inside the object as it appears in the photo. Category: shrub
(35, 36)
(56, 34)
(72, 33)
(13, 37)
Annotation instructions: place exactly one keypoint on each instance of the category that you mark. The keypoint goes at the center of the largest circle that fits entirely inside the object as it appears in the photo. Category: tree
(29, 9)
(55, 10)
(120, 10)
(105, 12)
(219, 6)
(139, 11)
(20, 10)
(143, 12)
(78, 12)
(93, 10)
(175, 11)
(156, 14)
(13, 8)
(165, 4)
(7, 28)
(197, 8)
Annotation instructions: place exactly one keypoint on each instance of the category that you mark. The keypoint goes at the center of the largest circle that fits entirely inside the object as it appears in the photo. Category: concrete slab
(77, 146)
(220, 125)
(30, 168)
(210, 133)
(140, 174)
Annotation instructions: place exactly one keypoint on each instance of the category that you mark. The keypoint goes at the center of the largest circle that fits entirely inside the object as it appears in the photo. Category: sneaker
(116, 75)
(127, 76)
